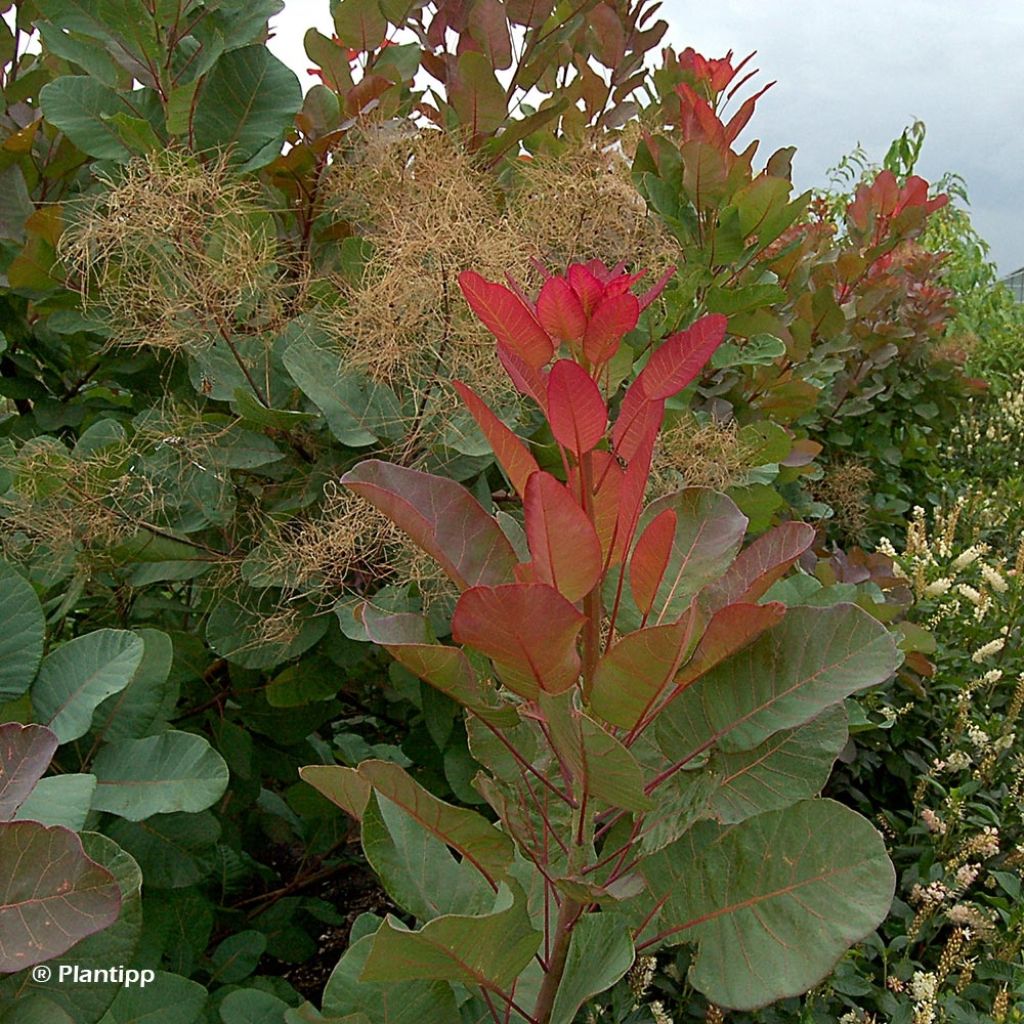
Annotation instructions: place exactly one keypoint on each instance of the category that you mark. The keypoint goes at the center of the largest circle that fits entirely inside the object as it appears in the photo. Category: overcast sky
(856, 72)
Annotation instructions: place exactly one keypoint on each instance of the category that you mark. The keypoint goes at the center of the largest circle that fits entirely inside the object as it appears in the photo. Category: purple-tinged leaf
(442, 517)
(528, 629)
(757, 567)
(51, 894)
(25, 752)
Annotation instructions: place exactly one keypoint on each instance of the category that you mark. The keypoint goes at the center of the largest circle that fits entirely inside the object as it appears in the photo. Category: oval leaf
(248, 102)
(23, 634)
(576, 410)
(442, 517)
(25, 753)
(813, 658)
(507, 317)
(175, 771)
(560, 311)
(78, 675)
(650, 559)
(819, 880)
(682, 356)
(565, 548)
(53, 894)
(528, 629)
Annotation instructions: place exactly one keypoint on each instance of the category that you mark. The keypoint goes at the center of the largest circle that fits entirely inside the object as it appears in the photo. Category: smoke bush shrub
(653, 727)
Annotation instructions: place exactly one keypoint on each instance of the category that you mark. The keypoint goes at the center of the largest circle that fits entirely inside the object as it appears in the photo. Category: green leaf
(395, 1002)
(359, 23)
(87, 55)
(607, 770)
(135, 132)
(53, 894)
(813, 658)
(358, 411)
(168, 999)
(16, 207)
(637, 668)
(331, 59)
(251, 1006)
(136, 710)
(237, 956)
(476, 94)
(760, 350)
(772, 902)
(344, 787)
(175, 771)
(488, 950)
(790, 765)
(600, 953)
(467, 832)
(759, 202)
(252, 412)
(247, 104)
(173, 850)
(739, 300)
(75, 678)
(35, 1009)
(60, 800)
(416, 868)
(25, 753)
(83, 109)
(23, 634)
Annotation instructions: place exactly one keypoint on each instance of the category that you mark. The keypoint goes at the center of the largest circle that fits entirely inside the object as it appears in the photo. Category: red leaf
(730, 630)
(528, 629)
(507, 318)
(650, 557)
(739, 120)
(511, 453)
(682, 357)
(576, 410)
(441, 516)
(656, 289)
(612, 318)
(527, 379)
(407, 638)
(631, 496)
(560, 311)
(607, 488)
(639, 420)
(586, 286)
(759, 566)
(565, 548)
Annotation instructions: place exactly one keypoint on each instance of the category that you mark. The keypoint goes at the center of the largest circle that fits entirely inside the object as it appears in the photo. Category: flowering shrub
(652, 726)
(938, 764)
